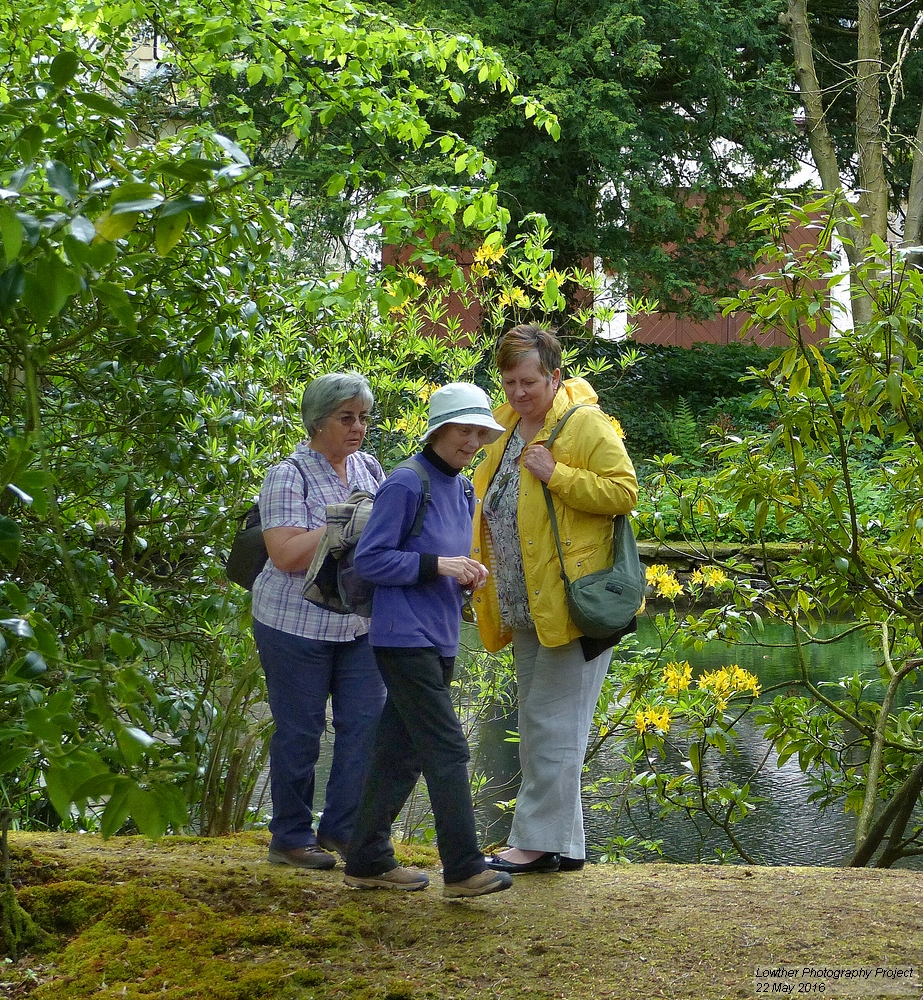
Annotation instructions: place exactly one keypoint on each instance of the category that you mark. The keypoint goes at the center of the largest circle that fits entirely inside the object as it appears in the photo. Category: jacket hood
(571, 392)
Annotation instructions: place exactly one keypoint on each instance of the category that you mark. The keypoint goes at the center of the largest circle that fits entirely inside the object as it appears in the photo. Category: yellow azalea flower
(417, 278)
(669, 587)
(514, 297)
(728, 681)
(652, 718)
(709, 576)
(663, 581)
(660, 719)
(554, 275)
(489, 254)
(677, 677)
(618, 427)
(479, 270)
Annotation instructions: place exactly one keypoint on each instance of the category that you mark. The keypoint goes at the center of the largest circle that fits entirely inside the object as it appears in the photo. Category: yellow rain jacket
(593, 481)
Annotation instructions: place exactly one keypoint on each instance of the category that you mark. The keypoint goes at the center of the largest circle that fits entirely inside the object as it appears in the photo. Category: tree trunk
(822, 148)
(873, 186)
(913, 225)
(909, 791)
(873, 198)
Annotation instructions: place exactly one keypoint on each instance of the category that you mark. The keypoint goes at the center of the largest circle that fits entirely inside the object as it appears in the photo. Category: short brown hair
(522, 340)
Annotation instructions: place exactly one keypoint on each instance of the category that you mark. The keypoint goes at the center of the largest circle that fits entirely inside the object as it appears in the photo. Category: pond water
(785, 829)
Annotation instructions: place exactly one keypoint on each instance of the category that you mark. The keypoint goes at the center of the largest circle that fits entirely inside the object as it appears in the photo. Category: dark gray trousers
(419, 732)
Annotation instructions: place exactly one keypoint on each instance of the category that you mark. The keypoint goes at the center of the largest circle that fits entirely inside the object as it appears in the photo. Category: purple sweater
(413, 605)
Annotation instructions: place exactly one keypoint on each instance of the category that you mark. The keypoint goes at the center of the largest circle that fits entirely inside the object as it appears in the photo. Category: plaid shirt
(278, 600)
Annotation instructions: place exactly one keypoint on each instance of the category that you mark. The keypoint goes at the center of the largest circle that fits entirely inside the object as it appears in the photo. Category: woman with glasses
(309, 654)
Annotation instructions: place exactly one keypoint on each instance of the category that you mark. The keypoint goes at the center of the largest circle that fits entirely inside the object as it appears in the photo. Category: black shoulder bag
(248, 553)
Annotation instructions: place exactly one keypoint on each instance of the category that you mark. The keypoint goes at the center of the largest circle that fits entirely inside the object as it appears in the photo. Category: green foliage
(155, 358)
(859, 524)
(672, 115)
(709, 378)
(682, 432)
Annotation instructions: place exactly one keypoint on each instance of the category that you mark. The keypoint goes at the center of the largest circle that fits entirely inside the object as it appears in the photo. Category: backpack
(248, 553)
(332, 582)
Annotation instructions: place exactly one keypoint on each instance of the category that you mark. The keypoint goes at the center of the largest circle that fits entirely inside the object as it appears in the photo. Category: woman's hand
(539, 461)
(469, 572)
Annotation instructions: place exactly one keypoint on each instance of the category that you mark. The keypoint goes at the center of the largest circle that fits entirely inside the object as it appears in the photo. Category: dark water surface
(786, 829)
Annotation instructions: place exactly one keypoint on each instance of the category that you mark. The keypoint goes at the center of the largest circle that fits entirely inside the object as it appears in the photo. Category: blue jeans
(300, 676)
(419, 733)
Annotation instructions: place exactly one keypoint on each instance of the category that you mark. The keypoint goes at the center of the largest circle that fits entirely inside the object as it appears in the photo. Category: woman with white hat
(420, 581)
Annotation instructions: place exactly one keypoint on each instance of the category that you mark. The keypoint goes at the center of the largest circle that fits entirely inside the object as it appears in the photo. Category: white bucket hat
(461, 403)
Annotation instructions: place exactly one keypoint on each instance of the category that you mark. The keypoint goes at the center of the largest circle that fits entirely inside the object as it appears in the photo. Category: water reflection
(786, 829)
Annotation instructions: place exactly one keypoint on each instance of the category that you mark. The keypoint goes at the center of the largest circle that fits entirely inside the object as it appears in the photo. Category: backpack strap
(560, 424)
(551, 515)
(411, 463)
(468, 487)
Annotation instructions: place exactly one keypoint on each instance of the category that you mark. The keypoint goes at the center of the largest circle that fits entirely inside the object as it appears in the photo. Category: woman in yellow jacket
(559, 674)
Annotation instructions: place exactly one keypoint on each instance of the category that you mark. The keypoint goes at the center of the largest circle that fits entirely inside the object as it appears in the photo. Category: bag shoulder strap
(548, 501)
(251, 516)
(301, 472)
(556, 430)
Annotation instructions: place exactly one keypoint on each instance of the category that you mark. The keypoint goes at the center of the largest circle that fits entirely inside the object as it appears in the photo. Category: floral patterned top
(500, 513)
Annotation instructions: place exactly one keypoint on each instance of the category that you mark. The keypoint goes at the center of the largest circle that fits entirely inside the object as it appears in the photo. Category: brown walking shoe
(398, 878)
(478, 885)
(303, 857)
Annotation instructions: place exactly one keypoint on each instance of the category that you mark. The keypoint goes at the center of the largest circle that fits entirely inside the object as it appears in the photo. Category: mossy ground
(195, 919)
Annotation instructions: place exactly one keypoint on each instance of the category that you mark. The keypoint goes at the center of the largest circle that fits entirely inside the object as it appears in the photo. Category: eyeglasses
(348, 419)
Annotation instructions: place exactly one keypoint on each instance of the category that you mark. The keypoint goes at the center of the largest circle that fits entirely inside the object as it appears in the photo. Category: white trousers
(558, 692)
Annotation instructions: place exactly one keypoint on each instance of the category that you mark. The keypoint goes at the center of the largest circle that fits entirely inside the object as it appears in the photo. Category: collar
(429, 453)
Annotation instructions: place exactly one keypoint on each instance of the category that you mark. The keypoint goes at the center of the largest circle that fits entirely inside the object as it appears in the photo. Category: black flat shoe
(543, 863)
(571, 864)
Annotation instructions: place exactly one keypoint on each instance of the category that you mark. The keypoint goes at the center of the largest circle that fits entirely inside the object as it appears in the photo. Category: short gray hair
(324, 394)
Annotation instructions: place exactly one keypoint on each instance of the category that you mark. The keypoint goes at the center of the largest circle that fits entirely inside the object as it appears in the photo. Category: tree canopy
(672, 114)
(151, 355)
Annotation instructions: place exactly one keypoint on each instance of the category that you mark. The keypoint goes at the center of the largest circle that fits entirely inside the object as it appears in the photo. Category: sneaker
(398, 878)
(479, 885)
(303, 857)
(334, 846)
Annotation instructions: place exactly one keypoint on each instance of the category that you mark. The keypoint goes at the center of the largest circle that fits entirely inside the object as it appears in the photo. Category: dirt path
(190, 919)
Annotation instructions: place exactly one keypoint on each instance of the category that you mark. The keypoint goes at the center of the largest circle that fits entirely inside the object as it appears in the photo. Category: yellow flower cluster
(677, 677)
(396, 293)
(728, 681)
(618, 427)
(554, 274)
(417, 278)
(664, 582)
(489, 254)
(515, 297)
(652, 718)
(709, 576)
(413, 426)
